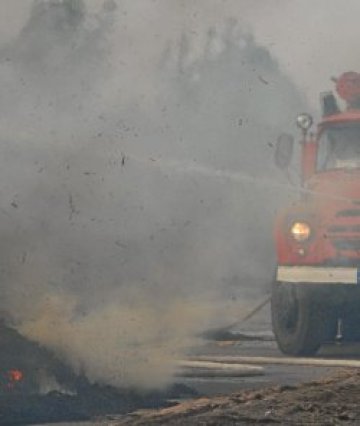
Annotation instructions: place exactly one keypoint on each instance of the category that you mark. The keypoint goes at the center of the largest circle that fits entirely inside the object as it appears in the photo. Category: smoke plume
(138, 190)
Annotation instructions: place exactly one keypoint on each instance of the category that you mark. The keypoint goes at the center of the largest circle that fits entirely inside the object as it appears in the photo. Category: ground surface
(325, 402)
(284, 394)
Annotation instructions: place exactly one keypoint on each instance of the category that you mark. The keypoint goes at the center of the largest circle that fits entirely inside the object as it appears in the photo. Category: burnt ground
(275, 397)
(85, 405)
(333, 401)
(49, 391)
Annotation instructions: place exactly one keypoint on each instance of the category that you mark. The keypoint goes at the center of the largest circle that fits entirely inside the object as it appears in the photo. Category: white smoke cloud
(312, 40)
(137, 183)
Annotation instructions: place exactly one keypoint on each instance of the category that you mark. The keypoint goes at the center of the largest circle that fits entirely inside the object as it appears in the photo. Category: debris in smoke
(124, 315)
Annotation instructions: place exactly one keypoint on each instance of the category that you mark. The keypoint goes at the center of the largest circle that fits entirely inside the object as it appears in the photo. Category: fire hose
(222, 332)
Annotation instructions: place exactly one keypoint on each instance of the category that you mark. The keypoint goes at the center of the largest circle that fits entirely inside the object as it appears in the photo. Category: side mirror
(284, 151)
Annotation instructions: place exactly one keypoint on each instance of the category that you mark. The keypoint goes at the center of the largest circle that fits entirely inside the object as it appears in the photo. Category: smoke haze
(138, 190)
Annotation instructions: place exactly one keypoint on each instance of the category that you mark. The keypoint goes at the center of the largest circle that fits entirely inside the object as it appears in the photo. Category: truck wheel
(298, 320)
(351, 325)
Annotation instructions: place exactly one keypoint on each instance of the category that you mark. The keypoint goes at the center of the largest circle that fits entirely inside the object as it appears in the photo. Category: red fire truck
(316, 292)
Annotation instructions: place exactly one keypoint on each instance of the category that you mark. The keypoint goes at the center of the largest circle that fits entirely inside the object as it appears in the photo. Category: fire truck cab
(316, 291)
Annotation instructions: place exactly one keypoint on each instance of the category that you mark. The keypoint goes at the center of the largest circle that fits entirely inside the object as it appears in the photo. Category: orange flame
(15, 375)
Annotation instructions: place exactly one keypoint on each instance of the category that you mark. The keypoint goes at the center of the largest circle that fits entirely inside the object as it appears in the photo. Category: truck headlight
(300, 231)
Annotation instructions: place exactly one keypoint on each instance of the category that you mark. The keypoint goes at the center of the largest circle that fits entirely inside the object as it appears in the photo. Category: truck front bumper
(318, 275)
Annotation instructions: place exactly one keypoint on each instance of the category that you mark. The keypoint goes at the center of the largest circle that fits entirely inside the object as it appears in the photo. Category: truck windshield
(339, 148)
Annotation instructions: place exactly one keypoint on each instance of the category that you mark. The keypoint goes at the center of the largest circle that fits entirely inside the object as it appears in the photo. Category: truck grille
(344, 234)
(342, 244)
(341, 229)
(348, 213)
(345, 237)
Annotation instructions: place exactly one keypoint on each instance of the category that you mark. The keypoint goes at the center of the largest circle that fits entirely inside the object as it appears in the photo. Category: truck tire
(351, 325)
(298, 319)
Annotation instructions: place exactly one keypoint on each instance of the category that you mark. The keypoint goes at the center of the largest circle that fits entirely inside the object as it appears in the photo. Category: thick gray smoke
(134, 212)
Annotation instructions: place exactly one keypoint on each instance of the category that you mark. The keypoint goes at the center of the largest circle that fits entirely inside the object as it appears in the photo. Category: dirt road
(261, 346)
(290, 391)
(324, 402)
